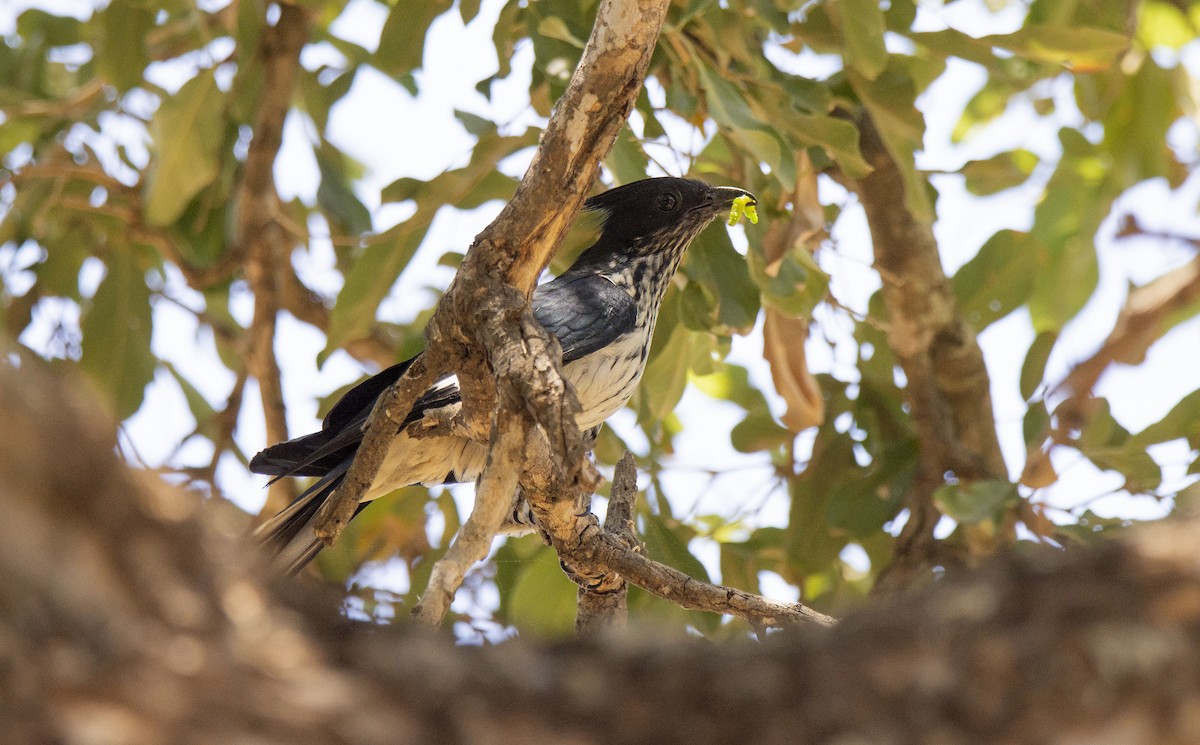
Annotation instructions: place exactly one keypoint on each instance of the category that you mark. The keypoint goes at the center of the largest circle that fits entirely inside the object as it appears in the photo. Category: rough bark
(132, 614)
(604, 607)
(484, 315)
(947, 382)
(484, 331)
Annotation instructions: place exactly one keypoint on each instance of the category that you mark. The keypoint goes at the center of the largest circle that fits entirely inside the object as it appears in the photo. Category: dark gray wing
(586, 313)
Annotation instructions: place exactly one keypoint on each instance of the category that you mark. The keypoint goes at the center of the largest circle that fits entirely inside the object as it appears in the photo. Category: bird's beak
(722, 196)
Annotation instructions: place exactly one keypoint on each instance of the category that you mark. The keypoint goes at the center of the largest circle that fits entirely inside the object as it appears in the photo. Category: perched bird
(602, 310)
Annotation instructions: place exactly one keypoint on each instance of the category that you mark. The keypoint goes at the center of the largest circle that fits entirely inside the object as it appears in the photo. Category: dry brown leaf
(1039, 471)
(783, 348)
(807, 216)
(784, 337)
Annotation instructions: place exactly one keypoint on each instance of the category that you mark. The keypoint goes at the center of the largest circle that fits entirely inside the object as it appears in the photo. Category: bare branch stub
(604, 607)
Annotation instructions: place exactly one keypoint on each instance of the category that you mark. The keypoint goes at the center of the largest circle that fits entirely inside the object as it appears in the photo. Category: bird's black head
(657, 217)
(658, 205)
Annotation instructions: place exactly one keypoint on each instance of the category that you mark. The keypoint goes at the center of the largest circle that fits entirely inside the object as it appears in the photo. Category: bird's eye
(667, 202)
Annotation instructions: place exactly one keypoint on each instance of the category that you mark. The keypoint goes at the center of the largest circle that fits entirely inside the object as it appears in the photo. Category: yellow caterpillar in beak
(743, 206)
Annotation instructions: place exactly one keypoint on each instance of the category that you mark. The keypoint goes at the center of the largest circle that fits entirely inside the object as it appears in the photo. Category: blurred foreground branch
(129, 615)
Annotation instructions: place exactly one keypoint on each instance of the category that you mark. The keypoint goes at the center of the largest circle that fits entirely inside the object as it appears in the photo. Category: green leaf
(1141, 472)
(1090, 527)
(375, 270)
(370, 279)
(1077, 198)
(891, 101)
(1182, 421)
(727, 105)
(837, 137)
(543, 599)
(953, 43)
(666, 544)
(697, 307)
(124, 56)
(402, 40)
(900, 14)
(1033, 371)
(860, 506)
(808, 96)
(985, 106)
(474, 124)
(666, 372)
(976, 502)
(202, 411)
(740, 565)
(336, 197)
(468, 9)
(998, 280)
(1036, 423)
(757, 432)
(58, 273)
(187, 131)
(999, 172)
(116, 336)
(693, 9)
(713, 261)
(553, 27)
(1082, 48)
(862, 36)
(1136, 124)
(627, 161)
(797, 285)
(731, 383)
(811, 546)
(55, 30)
(1162, 24)
(725, 102)
(320, 98)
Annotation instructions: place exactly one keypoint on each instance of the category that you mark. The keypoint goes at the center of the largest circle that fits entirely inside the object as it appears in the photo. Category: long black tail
(287, 538)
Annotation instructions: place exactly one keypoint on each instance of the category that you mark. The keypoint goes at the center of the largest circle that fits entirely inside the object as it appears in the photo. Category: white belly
(428, 461)
(605, 379)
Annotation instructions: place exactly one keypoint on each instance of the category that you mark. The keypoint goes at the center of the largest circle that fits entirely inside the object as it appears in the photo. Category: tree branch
(259, 238)
(590, 552)
(493, 498)
(1140, 323)
(948, 386)
(481, 320)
